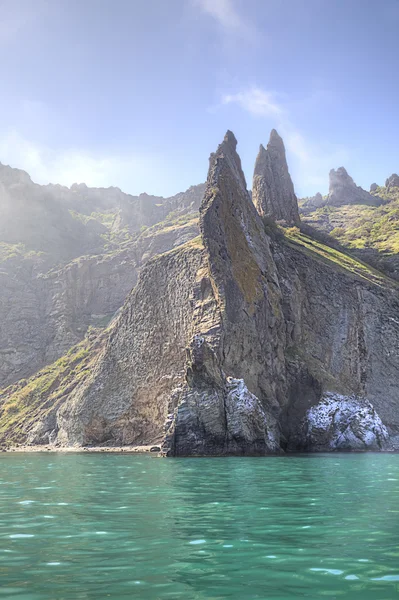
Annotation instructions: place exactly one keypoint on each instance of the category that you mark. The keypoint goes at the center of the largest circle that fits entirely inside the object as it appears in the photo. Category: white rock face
(246, 417)
(344, 423)
(218, 420)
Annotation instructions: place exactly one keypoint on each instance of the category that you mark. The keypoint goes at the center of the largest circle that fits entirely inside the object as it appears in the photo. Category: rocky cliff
(365, 230)
(70, 256)
(245, 340)
(272, 190)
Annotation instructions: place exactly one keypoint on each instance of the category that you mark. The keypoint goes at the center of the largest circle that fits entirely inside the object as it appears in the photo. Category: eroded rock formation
(273, 191)
(343, 190)
(313, 203)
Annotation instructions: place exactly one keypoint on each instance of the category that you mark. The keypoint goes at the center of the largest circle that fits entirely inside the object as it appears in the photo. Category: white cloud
(311, 160)
(46, 165)
(223, 11)
(226, 15)
(255, 101)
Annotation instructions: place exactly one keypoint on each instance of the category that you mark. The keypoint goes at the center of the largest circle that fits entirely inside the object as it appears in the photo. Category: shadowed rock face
(243, 275)
(343, 190)
(273, 191)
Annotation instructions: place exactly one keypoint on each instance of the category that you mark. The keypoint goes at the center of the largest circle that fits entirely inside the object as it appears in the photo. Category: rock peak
(230, 139)
(231, 229)
(314, 202)
(343, 190)
(273, 191)
(342, 171)
(392, 181)
(275, 138)
(226, 155)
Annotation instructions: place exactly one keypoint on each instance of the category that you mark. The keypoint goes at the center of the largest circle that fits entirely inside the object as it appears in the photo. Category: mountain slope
(369, 232)
(68, 259)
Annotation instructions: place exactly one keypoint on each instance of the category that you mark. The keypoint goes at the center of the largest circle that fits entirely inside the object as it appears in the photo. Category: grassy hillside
(23, 404)
(322, 251)
(358, 226)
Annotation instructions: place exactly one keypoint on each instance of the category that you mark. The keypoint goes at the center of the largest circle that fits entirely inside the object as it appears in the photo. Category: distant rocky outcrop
(272, 190)
(66, 223)
(392, 181)
(343, 190)
(373, 187)
(313, 203)
(31, 216)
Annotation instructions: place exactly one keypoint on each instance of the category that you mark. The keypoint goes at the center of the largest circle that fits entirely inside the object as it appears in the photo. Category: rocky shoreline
(158, 453)
(79, 449)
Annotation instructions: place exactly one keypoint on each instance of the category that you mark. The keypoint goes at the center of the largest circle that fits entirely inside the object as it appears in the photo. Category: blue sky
(137, 93)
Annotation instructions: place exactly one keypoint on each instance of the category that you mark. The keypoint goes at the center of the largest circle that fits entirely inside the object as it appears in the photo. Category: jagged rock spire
(231, 228)
(273, 191)
(242, 271)
(226, 157)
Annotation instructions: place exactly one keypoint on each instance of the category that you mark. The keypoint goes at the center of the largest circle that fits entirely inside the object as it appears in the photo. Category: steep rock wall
(342, 335)
(126, 397)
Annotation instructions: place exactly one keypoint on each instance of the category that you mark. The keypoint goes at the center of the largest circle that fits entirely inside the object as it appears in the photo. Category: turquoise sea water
(94, 526)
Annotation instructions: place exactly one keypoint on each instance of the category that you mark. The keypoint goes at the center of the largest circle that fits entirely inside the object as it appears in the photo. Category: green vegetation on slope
(23, 404)
(10, 251)
(321, 251)
(173, 221)
(358, 226)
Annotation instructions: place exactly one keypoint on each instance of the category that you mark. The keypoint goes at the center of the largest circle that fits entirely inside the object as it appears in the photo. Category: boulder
(340, 422)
